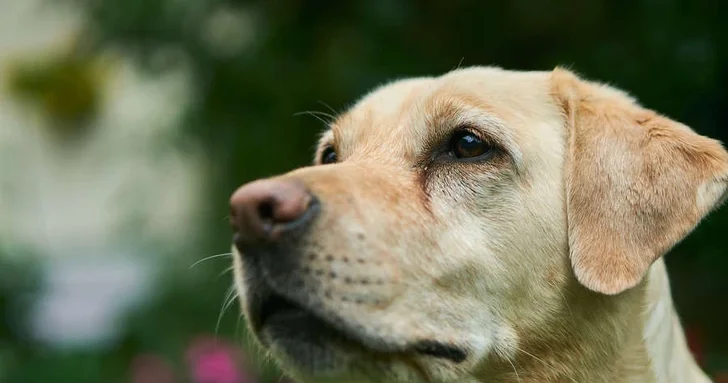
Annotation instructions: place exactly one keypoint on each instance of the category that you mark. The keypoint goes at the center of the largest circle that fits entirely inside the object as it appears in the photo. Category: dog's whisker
(518, 378)
(531, 355)
(238, 332)
(317, 115)
(227, 270)
(222, 314)
(330, 116)
(227, 303)
(333, 111)
(210, 257)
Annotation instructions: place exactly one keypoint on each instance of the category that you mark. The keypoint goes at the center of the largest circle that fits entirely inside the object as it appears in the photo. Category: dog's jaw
(311, 341)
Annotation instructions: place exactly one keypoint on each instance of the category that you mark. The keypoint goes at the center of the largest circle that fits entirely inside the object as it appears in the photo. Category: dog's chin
(302, 341)
(310, 346)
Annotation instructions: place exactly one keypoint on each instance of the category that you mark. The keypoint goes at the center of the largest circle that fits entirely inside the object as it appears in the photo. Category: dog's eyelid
(327, 145)
(488, 129)
(482, 135)
(326, 139)
(494, 132)
(323, 151)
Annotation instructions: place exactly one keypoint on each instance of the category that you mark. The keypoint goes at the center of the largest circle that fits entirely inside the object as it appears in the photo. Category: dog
(486, 225)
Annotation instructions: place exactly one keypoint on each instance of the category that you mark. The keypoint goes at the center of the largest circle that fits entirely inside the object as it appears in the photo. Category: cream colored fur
(542, 262)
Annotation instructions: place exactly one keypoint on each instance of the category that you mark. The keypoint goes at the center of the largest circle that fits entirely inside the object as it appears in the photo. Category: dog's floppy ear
(636, 182)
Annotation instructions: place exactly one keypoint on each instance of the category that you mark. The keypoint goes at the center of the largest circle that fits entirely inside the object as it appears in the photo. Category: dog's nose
(266, 209)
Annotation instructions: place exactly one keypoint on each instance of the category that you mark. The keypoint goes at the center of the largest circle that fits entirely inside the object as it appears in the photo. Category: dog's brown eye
(467, 145)
(328, 156)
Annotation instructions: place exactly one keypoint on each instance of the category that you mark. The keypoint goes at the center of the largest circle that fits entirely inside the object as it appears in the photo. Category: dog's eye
(467, 145)
(328, 156)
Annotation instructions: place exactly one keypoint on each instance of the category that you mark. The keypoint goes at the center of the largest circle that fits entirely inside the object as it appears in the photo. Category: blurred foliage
(67, 88)
(187, 307)
(18, 285)
(298, 55)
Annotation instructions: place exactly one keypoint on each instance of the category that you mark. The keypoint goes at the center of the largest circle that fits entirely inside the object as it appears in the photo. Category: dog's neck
(663, 333)
(633, 337)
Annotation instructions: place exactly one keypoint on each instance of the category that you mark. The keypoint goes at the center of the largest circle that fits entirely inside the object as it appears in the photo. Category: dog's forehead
(401, 114)
(385, 115)
(391, 100)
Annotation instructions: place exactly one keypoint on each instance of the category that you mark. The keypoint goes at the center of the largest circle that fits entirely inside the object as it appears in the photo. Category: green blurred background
(125, 125)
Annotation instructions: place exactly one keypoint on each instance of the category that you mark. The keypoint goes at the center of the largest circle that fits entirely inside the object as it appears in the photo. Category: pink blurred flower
(214, 361)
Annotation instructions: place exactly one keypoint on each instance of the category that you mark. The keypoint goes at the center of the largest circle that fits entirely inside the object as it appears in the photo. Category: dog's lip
(275, 306)
(278, 305)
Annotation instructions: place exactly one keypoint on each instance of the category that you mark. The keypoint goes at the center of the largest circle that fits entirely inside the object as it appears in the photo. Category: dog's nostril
(266, 210)
(256, 208)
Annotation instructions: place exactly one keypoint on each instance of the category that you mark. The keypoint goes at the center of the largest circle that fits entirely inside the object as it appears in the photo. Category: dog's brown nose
(265, 209)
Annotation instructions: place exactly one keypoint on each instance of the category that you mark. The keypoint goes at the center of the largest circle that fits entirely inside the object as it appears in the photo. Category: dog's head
(448, 222)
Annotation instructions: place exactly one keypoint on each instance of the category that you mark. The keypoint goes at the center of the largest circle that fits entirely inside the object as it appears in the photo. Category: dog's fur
(541, 262)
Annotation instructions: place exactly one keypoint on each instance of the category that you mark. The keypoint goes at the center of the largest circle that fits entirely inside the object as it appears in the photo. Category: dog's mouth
(280, 318)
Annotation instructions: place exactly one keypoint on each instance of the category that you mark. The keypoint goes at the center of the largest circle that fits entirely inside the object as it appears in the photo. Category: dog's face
(447, 220)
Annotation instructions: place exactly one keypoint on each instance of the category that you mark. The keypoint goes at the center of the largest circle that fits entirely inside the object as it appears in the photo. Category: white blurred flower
(124, 173)
(90, 208)
(85, 299)
(228, 30)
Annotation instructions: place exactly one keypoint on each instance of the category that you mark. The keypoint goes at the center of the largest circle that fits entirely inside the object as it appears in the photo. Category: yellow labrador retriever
(483, 226)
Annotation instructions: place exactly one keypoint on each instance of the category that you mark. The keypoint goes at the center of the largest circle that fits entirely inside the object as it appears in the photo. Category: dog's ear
(636, 182)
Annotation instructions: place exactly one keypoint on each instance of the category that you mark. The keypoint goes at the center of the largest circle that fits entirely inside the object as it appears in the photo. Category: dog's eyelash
(440, 148)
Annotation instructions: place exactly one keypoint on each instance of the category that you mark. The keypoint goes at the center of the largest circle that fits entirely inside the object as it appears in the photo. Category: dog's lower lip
(278, 305)
(273, 305)
(440, 350)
